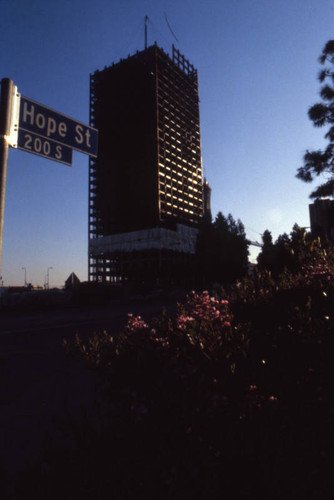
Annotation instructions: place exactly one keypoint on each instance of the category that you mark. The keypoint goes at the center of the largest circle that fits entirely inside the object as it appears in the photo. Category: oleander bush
(231, 397)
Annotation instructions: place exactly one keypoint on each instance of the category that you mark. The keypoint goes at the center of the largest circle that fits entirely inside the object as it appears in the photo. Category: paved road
(69, 319)
(38, 382)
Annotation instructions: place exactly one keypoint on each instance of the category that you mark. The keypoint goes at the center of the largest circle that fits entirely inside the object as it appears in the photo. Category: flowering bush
(206, 322)
(202, 328)
(232, 376)
(205, 310)
(318, 275)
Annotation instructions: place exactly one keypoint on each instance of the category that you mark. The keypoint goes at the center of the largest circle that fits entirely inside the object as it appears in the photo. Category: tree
(285, 258)
(222, 250)
(288, 253)
(322, 161)
(266, 258)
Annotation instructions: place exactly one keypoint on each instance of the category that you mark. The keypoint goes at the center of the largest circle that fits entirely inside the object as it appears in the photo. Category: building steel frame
(158, 180)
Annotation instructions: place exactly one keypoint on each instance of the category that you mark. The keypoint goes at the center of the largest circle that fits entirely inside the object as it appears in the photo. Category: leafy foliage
(321, 114)
(292, 252)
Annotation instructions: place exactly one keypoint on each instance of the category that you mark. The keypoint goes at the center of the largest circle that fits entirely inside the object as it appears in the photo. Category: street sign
(33, 143)
(55, 127)
(40, 130)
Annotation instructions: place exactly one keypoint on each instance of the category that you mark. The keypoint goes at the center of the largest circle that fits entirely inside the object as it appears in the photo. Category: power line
(169, 26)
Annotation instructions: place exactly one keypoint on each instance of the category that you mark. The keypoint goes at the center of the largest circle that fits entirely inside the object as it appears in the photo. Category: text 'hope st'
(50, 124)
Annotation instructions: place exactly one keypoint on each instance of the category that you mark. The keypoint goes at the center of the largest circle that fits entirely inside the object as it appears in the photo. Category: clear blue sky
(257, 64)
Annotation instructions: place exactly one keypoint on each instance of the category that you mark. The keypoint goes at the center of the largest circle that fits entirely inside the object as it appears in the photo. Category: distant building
(72, 282)
(207, 200)
(322, 218)
(146, 186)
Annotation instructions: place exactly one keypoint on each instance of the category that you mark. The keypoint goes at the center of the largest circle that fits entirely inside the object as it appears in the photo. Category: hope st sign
(33, 127)
(39, 121)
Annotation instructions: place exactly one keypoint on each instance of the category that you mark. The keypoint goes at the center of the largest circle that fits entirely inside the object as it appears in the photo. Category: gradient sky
(257, 64)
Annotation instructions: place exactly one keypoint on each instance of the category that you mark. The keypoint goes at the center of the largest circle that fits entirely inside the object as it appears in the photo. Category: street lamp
(48, 277)
(25, 276)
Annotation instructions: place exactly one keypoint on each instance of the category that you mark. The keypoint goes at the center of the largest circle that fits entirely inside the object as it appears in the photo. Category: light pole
(25, 276)
(48, 277)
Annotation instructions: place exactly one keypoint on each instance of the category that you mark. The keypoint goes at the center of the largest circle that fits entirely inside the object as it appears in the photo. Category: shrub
(202, 330)
(228, 397)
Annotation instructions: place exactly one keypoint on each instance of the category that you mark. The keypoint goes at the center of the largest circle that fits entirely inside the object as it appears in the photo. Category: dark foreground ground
(173, 424)
(38, 382)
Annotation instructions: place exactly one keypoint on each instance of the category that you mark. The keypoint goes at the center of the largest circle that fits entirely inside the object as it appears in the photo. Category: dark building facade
(146, 186)
(322, 218)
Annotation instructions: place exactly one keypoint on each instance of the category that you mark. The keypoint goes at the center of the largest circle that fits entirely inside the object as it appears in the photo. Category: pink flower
(135, 323)
(183, 321)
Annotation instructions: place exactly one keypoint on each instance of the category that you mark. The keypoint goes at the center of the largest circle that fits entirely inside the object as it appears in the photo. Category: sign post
(7, 97)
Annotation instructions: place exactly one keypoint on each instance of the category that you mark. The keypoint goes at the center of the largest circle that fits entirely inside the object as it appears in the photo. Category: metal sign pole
(5, 125)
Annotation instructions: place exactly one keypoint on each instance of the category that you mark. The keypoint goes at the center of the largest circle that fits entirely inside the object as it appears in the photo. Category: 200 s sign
(28, 141)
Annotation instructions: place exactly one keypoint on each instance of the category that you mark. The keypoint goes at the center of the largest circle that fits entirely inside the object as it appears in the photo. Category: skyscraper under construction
(146, 186)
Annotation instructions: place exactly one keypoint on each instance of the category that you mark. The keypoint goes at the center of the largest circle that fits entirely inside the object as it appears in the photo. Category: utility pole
(146, 19)
(48, 278)
(25, 276)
